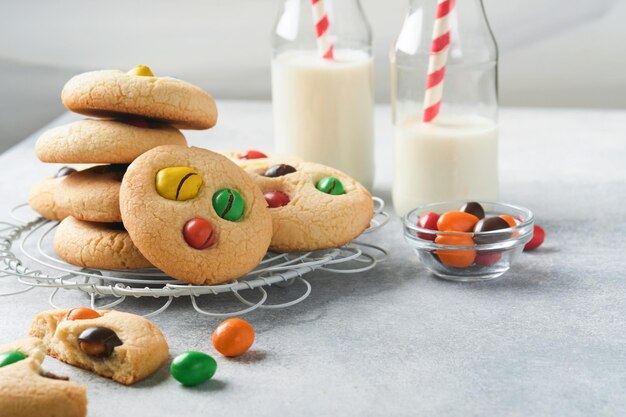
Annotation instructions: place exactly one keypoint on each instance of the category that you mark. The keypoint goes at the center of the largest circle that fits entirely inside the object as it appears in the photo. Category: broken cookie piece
(113, 344)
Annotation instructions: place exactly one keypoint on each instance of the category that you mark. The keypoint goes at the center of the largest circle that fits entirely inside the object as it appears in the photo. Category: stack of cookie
(135, 112)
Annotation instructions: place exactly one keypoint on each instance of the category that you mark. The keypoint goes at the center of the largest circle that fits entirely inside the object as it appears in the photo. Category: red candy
(487, 259)
(538, 237)
(252, 154)
(198, 233)
(138, 123)
(276, 199)
(427, 221)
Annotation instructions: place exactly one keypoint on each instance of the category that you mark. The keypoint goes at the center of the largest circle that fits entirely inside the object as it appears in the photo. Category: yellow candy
(178, 183)
(141, 71)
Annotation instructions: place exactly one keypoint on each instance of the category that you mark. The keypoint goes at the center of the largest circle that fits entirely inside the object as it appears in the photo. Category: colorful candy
(82, 313)
(233, 337)
(456, 221)
(98, 342)
(428, 221)
(330, 185)
(487, 259)
(178, 183)
(538, 237)
(279, 170)
(473, 208)
(7, 358)
(489, 224)
(193, 368)
(456, 258)
(510, 220)
(64, 171)
(252, 154)
(198, 233)
(141, 71)
(228, 204)
(276, 199)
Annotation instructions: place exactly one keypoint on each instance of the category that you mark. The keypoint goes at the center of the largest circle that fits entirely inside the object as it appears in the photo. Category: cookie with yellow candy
(138, 92)
(195, 214)
(26, 390)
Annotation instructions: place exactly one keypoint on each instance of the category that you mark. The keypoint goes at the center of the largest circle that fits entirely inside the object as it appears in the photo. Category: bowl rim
(521, 228)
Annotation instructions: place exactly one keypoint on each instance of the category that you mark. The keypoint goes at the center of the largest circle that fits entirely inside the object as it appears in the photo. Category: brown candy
(489, 224)
(64, 171)
(279, 170)
(473, 208)
(98, 342)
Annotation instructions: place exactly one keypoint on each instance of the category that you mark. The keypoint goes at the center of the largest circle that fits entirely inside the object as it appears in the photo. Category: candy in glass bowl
(468, 241)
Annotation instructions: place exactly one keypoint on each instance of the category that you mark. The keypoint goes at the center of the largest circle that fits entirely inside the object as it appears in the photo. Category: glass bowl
(486, 256)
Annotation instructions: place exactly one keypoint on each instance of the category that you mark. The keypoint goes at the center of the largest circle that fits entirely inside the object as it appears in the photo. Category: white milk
(450, 159)
(324, 110)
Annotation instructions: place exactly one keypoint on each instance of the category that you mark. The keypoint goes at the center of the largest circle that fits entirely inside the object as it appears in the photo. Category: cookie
(27, 391)
(122, 346)
(194, 214)
(91, 194)
(113, 93)
(313, 206)
(252, 158)
(104, 141)
(97, 245)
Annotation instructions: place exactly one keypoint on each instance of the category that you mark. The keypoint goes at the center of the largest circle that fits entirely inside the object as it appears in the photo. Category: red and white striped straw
(437, 61)
(320, 19)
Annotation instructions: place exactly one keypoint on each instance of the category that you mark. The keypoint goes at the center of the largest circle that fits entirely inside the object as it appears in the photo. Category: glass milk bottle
(322, 85)
(444, 101)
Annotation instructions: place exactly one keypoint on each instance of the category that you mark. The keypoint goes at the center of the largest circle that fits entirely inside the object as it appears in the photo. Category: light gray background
(548, 339)
(553, 52)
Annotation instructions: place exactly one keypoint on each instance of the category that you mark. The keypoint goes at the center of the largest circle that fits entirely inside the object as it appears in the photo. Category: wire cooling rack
(26, 255)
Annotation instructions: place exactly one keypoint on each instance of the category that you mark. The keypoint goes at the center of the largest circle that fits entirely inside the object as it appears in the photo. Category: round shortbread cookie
(97, 245)
(168, 200)
(104, 141)
(91, 195)
(312, 219)
(113, 93)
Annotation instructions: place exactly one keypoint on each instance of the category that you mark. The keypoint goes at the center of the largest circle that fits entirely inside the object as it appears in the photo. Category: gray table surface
(547, 339)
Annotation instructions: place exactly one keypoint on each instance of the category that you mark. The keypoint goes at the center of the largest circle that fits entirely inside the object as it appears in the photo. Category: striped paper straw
(437, 61)
(320, 19)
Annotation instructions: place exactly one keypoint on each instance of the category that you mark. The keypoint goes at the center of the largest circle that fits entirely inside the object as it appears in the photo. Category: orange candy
(233, 337)
(82, 313)
(456, 221)
(456, 258)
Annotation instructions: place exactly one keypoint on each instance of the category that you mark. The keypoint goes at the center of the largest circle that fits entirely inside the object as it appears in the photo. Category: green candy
(228, 204)
(193, 368)
(7, 358)
(330, 185)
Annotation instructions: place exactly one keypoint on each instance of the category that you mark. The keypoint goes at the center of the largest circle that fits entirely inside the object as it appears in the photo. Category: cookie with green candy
(313, 206)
